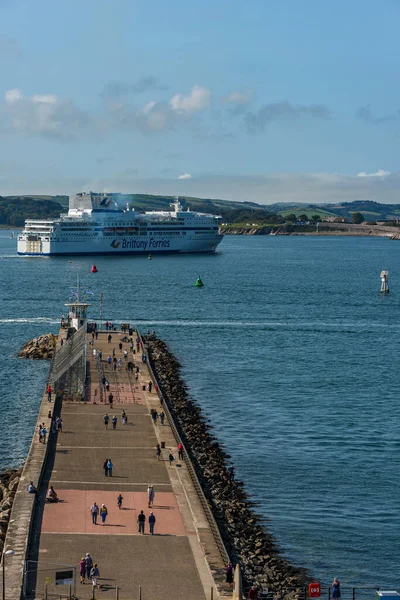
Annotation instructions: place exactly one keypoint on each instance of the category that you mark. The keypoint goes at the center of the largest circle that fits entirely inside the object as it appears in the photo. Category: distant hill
(15, 209)
(13, 212)
(370, 209)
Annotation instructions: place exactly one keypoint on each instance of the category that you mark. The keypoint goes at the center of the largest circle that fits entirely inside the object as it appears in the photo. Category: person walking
(49, 392)
(141, 521)
(106, 419)
(150, 495)
(110, 399)
(180, 451)
(103, 514)
(89, 565)
(229, 574)
(109, 338)
(336, 588)
(152, 521)
(43, 433)
(95, 574)
(154, 415)
(82, 569)
(162, 417)
(150, 386)
(114, 422)
(94, 511)
(105, 467)
(253, 593)
(119, 501)
(59, 423)
(124, 418)
(171, 458)
(158, 452)
(109, 467)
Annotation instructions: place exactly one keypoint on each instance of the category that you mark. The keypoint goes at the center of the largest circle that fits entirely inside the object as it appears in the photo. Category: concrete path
(168, 565)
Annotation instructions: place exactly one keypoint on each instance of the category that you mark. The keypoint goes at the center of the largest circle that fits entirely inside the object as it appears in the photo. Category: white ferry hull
(125, 245)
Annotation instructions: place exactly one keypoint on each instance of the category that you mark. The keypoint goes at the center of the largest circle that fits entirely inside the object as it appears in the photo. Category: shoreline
(325, 229)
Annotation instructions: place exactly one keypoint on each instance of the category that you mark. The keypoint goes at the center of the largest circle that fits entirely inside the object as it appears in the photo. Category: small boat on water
(199, 282)
(149, 257)
(94, 269)
(12, 235)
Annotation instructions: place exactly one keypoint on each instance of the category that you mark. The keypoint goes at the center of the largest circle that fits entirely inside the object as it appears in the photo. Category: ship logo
(115, 244)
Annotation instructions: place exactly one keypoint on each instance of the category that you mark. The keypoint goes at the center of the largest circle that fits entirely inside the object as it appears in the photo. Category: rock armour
(244, 535)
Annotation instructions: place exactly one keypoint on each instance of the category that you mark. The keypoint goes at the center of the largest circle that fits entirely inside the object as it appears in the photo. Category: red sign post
(314, 590)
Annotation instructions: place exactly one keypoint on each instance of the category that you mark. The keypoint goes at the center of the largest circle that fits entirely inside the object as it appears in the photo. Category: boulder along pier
(118, 398)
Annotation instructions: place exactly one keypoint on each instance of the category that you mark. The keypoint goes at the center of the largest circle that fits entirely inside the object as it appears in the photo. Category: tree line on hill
(14, 212)
(15, 209)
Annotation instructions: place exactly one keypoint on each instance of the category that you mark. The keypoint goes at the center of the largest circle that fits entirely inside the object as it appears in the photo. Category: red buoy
(93, 269)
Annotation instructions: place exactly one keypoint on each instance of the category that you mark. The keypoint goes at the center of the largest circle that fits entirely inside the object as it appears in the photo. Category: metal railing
(68, 369)
(347, 593)
(100, 374)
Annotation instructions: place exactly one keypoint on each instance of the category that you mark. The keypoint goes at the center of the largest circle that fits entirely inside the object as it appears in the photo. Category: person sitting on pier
(51, 495)
(32, 489)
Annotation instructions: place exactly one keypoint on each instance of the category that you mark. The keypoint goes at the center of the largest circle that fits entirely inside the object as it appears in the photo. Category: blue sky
(262, 100)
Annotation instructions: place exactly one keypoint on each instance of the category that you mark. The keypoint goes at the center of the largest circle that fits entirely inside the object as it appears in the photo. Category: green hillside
(15, 209)
(14, 212)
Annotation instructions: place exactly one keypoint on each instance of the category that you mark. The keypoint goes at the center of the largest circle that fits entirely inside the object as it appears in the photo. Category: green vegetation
(288, 209)
(15, 209)
(14, 212)
(357, 218)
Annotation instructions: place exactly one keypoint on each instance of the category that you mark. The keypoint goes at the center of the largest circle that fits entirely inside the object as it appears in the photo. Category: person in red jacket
(49, 393)
(180, 451)
(253, 593)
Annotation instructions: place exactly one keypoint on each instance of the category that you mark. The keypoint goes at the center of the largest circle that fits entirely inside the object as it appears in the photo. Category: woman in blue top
(336, 588)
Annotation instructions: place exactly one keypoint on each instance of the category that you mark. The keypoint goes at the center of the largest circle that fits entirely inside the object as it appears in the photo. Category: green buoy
(199, 282)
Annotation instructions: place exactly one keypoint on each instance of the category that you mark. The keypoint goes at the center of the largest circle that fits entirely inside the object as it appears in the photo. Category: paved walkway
(169, 565)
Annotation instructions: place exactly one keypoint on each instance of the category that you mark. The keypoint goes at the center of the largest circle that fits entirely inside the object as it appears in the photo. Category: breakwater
(9, 481)
(40, 348)
(242, 529)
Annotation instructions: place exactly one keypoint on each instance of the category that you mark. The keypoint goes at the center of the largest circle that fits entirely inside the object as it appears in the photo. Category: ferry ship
(98, 224)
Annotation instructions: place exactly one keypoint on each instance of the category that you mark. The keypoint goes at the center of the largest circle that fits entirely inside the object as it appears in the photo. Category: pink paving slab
(120, 397)
(72, 513)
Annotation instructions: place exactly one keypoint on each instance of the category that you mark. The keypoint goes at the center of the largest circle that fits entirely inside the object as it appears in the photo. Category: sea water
(291, 352)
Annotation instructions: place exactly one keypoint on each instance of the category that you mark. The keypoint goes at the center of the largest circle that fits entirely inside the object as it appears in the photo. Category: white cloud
(12, 96)
(198, 100)
(50, 99)
(43, 115)
(240, 98)
(379, 173)
(148, 107)
(185, 176)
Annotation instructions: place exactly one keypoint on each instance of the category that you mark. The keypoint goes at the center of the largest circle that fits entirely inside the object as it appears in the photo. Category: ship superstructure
(99, 224)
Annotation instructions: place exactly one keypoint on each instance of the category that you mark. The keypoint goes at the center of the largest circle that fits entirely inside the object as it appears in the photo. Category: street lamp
(6, 553)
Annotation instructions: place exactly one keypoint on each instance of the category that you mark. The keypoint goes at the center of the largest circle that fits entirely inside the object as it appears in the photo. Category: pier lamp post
(6, 553)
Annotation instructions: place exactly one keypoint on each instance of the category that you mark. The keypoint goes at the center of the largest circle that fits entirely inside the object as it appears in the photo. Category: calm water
(292, 352)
